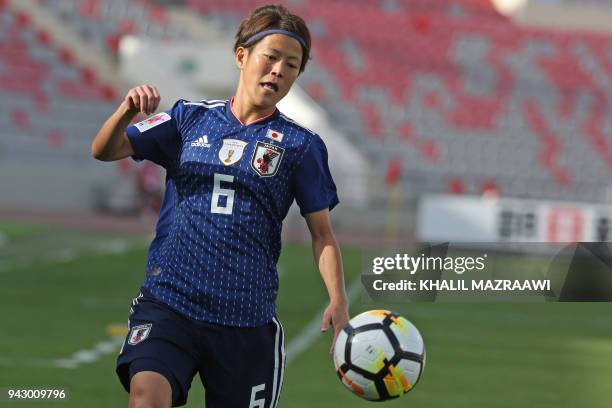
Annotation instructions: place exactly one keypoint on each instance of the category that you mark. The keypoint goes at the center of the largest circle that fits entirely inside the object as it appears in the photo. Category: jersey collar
(230, 115)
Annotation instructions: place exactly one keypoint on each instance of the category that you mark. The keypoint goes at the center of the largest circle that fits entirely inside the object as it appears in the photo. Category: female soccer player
(234, 168)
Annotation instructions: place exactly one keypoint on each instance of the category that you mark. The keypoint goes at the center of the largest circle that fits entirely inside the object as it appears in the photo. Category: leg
(155, 383)
(159, 357)
(243, 367)
(149, 389)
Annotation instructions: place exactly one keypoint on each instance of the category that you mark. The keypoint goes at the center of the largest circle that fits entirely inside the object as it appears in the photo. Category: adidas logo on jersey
(201, 142)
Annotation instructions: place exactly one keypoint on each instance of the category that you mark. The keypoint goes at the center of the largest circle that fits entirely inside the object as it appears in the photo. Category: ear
(241, 56)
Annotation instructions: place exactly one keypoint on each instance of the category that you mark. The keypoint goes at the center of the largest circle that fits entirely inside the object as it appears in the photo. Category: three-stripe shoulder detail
(212, 103)
(288, 119)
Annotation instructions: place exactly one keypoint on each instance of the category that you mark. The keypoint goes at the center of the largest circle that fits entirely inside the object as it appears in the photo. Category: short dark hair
(269, 17)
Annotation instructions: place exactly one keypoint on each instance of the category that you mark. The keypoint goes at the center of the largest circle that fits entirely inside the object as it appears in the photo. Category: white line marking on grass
(6, 361)
(92, 355)
(311, 332)
(76, 360)
(112, 247)
(64, 255)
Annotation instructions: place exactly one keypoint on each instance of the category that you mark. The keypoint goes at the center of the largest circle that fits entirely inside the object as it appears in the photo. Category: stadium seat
(466, 97)
(104, 22)
(43, 90)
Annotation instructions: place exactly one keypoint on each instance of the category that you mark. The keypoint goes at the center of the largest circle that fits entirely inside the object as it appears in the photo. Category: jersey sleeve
(312, 183)
(158, 138)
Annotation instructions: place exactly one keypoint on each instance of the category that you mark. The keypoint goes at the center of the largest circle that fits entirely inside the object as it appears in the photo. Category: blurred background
(445, 120)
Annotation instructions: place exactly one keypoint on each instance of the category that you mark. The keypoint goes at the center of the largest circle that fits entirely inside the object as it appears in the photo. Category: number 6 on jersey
(215, 208)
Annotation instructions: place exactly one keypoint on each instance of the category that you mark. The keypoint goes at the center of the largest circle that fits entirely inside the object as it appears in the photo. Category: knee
(150, 390)
(142, 400)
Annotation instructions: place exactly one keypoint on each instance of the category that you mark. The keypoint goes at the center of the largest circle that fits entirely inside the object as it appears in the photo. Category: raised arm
(329, 261)
(111, 142)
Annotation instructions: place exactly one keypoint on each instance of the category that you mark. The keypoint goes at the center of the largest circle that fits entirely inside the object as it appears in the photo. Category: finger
(156, 97)
(150, 99)
(325, 323)
(136, 98)
(336, 332)
(133, 100)
(333, 344)
(139, 98)
(143, 100)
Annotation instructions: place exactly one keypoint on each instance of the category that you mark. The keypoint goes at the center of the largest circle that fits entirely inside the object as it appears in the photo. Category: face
(269, 69)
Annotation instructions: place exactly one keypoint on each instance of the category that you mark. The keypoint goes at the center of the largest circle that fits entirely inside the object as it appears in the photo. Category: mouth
(270, 86)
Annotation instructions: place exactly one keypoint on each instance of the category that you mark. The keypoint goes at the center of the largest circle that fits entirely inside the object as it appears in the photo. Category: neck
(246, 112)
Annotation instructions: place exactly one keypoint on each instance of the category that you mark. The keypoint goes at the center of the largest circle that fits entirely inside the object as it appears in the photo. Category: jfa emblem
(139, 334)
(274, 135)
(231, 151)
(266, 159)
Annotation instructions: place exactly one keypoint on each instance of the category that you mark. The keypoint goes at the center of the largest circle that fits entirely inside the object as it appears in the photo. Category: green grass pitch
(56, 301)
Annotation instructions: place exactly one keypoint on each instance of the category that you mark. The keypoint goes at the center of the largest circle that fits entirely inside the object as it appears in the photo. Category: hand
(143, 98)
(337, 315)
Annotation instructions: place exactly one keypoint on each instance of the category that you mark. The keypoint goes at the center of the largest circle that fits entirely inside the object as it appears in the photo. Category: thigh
(243, 367)
(159, 341)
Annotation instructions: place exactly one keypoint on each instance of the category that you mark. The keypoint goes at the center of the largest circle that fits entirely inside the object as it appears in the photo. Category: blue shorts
(238, 366)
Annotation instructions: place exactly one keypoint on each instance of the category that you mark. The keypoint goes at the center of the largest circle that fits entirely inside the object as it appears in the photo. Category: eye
(293, 66)
(271, 57)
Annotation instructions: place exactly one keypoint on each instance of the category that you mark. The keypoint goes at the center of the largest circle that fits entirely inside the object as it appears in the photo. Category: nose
(277, 69)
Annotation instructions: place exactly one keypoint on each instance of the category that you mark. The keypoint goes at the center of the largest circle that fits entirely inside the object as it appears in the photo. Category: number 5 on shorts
(257, 403)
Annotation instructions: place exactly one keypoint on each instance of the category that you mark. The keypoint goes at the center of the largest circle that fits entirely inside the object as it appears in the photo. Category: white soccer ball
(379, 355)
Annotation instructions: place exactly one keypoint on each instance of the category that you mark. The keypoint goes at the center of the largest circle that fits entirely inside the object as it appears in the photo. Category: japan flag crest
(139, 333)
(275, 135)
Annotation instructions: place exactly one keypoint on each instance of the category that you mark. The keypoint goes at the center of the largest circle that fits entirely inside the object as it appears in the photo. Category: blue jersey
(228, 188)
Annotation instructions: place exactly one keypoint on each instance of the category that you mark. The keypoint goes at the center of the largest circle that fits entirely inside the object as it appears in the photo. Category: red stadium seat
(88, 75)
(55, 139)
(550, 146)
(372, 120)
(317, 92)
(112, 42)
(394, 172)
(108, 93)
(430, 150)
(43, 37)
(22, 19)
(489, 188)
(127, 26)
(456, 186)
(66, 56)
(405, 131)
(41, 101)
(482, 88)
(20, 119)
(421, 24)
(89, 9)
(158, 14)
